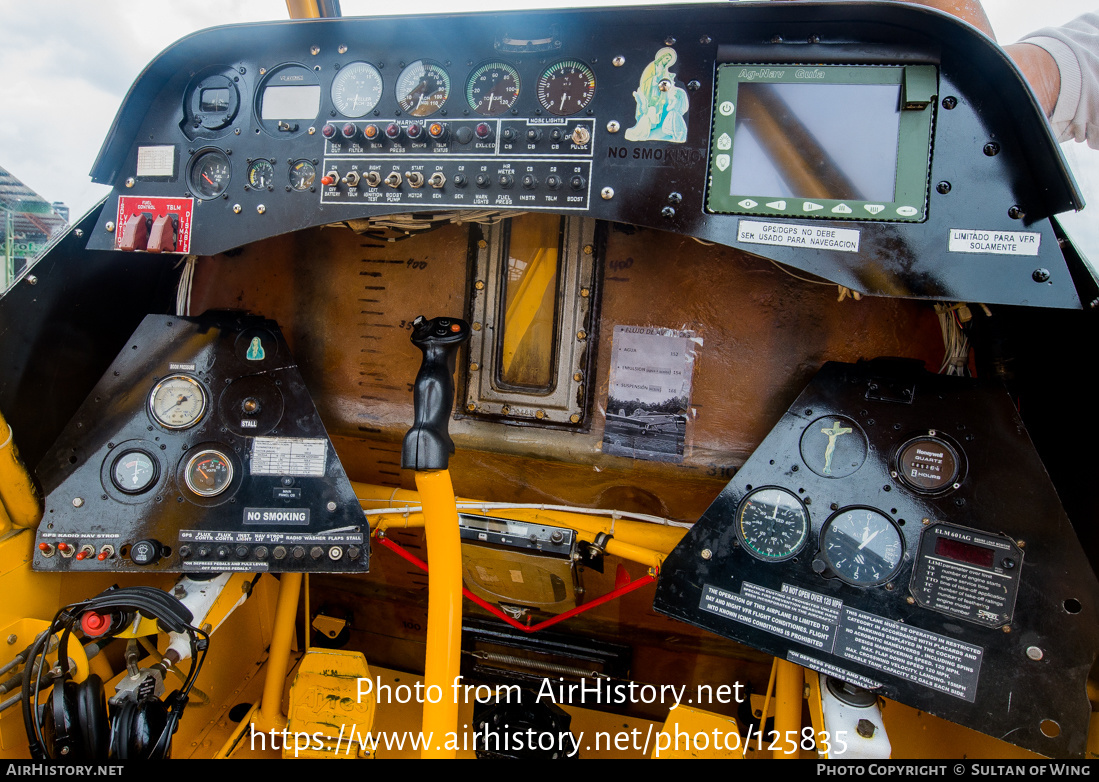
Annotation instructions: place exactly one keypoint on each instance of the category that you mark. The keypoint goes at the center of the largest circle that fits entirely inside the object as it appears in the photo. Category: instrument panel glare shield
(834, 142)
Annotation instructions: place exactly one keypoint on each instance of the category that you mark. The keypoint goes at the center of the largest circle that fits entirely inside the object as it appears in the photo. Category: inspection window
(533, 303)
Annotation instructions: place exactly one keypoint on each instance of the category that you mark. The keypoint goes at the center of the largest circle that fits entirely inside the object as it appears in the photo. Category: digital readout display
(297, 102)
(825, 141)
(964, 552)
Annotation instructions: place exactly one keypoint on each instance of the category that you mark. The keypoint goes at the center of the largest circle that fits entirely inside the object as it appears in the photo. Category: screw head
(236, 209)
(607, 193)
(706, 553)
(1040, 275)
(992, 149)
(1034, 653)
(618, 61)
(949, 102)
(943, 187)
(78, 502)
(109, 226)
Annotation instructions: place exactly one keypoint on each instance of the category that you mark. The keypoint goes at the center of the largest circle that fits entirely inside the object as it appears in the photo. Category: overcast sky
(66, 66)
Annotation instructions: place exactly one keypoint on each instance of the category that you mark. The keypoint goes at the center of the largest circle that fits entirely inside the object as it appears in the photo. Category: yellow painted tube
(18, 494)
(444, 610)
(303, 9)
(228, 747)
(270, 716)
(789, 691)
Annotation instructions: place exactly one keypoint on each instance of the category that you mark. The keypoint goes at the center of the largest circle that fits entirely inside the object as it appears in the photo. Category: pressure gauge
(302, 175)
(177, 402)
(861, 546)
(772, 524)
(208, 473)
(134, 471)
(210, 173)
(261, 174)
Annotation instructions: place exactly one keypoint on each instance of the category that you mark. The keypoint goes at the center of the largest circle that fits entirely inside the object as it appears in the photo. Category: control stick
(427, 449)
(428, 446)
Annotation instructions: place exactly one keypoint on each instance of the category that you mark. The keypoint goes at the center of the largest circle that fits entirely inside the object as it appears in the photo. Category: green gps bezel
(918, 88)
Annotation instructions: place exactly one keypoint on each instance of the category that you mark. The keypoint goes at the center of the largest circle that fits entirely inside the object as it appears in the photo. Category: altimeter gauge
(772, 524)
(861, 546)
(177, 402)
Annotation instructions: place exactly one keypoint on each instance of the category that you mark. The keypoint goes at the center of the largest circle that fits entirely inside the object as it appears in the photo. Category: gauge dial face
(492, 88)
(356, 89)
(566, 87)
(302, 174)
(772, 524)
(208, 473)
(422, 88)
(862, 546)
(134, 471)
(210, 173)
(261, 175)
(177, 402)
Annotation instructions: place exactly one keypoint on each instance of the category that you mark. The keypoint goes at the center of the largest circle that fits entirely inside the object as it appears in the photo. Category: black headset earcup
(91, 712)
(59, 731)
(137, 729)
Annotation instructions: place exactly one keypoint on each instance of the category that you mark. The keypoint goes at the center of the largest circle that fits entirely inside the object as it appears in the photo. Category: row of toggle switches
(438, 180)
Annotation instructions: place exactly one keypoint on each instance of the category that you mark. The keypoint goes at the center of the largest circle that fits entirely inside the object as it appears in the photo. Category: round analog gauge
(356, 89)
(302, 174)
(422, 88)
(177, 402)
(862, 546)
(492, 88)
(261, 175)
(134, 471)
(772, 524)
(210, 173)
(208, 473)
(566, 87)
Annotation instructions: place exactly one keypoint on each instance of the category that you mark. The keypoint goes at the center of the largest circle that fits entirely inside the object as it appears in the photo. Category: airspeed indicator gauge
(772, 524)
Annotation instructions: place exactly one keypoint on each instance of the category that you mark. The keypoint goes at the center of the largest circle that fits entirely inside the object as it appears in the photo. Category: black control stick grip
(428, 446)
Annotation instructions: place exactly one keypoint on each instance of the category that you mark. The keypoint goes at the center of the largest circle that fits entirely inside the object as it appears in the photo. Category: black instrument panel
(250, 131)
(897, 530)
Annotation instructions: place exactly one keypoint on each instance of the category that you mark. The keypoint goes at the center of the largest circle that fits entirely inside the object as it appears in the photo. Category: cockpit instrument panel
(199, 451)
(884, 147)
(897, 530)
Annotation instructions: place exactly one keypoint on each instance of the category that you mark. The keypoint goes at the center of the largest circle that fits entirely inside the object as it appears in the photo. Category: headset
(73, 723)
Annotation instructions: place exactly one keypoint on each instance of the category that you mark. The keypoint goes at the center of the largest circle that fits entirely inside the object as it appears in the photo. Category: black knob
(241, 551)
(460, 180)
(145, 552)
(483, 180)
(553, 181)
(577, 182)
(506, 180)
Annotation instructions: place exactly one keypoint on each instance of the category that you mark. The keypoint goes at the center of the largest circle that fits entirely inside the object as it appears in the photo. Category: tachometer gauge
(356, 89)
(134, 471)
(177, 402)
(861, 546)
(566, 87)
(208, 473)
(302, 174)
(422, 88)
(261, 174)
(492, 88)
(772, 524)
(210, 172)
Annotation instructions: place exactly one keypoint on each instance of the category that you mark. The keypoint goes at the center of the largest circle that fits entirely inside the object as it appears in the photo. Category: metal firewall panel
(200, 450)
(897, 530)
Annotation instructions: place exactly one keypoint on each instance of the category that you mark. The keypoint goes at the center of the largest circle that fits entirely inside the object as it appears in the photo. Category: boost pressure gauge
(177, 402)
